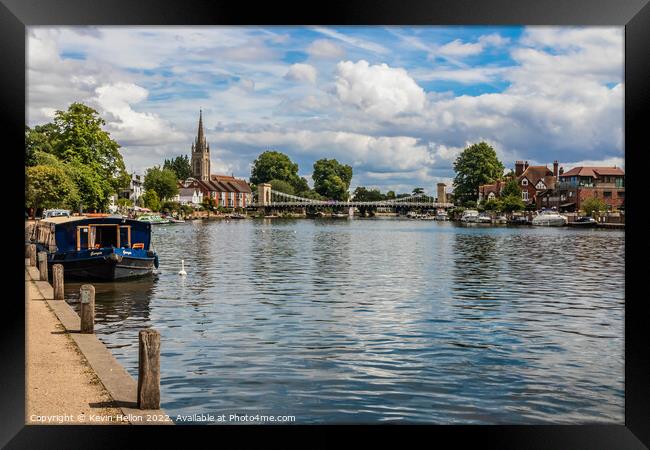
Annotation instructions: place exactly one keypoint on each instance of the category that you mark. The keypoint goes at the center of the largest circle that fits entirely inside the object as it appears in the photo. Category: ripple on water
(370, 321)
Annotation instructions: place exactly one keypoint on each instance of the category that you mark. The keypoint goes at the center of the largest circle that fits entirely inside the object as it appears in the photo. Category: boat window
(125, 236)
(82, 238)
(102, 236)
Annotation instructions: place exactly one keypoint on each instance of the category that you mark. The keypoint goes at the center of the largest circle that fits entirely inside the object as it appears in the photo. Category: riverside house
(581, 183)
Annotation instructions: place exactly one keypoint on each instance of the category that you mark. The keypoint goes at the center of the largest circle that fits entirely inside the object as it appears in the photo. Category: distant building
(227, 191)
(135, 189)
(191, 195)
(534, 182)
(581, 183)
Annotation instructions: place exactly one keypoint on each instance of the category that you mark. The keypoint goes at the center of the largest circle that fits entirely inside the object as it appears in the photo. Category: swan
(182, 272)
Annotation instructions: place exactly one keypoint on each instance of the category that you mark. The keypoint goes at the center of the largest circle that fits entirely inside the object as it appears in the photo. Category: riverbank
(61, 388)
(72, 378)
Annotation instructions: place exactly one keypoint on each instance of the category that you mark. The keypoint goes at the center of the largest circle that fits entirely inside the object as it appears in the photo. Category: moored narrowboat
(97, 248)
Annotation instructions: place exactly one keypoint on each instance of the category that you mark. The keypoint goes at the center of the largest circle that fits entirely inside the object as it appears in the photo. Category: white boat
(484, 218)
(549, 218)
(442, 215)
(469, 215)
(501, 219)
(152, 219)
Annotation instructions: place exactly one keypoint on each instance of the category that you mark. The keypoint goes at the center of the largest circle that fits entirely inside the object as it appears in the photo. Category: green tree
(124, 202)
(593, 205)
(390, 195)
(282, 186)
(310, 194)
(332, 179)
(476, 165)
(209, 204)
(151, 200)
(180, 165)
(49, 187)
(493, 204)
(170, 207)
(77, 135)
(418, 190)
(511, 188)
(163, 181)
(512, 203)
(272, 165)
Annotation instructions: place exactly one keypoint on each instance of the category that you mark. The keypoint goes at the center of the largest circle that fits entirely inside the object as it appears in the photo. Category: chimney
(526, 165)
(555, 168)
(519, 168)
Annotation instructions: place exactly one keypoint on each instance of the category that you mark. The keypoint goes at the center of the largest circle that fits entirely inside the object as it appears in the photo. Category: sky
(398, 104)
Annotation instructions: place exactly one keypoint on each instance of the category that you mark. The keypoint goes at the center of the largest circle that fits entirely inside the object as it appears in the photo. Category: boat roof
(64, 219)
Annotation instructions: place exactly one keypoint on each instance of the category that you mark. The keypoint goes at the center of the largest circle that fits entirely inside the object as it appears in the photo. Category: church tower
(201, 154)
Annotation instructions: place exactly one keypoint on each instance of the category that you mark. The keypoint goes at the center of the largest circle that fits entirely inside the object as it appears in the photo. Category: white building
(135, 189)
(189, 196)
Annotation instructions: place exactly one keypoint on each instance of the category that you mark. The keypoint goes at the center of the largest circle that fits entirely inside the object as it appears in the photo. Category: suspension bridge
(269, 198)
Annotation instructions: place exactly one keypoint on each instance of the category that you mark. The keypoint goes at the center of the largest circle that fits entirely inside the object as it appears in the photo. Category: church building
(227, 191)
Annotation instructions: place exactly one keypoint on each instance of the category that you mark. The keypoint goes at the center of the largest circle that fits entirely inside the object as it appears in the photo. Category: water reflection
(338, 321)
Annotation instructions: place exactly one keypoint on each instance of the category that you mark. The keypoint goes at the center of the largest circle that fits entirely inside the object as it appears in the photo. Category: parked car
(49, 213)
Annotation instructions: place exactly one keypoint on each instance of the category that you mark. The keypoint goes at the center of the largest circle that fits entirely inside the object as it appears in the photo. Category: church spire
(201, 136)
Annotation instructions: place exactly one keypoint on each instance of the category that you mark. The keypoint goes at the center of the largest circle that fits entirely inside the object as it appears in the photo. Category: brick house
(534, 182)
(227, 191)
(581, 183)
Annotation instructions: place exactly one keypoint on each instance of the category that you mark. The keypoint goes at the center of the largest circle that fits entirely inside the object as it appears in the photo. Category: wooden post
(57, 281)
(32, 255)
(42, 265)
(149, 369)
(87, 316)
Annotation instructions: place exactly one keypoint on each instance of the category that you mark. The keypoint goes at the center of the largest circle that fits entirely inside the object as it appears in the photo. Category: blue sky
(396, 103)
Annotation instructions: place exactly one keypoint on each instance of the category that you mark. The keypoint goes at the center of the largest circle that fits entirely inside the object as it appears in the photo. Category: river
(380, 320)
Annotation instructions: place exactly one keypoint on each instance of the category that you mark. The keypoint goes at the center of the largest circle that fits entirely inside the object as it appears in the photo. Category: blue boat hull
(105, 265)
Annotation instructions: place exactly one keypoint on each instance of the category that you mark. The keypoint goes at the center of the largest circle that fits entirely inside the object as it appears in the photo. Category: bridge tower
(442, 198)
(263, 194)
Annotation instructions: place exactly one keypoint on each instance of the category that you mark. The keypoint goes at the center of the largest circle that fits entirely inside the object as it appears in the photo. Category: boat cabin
(66, 234)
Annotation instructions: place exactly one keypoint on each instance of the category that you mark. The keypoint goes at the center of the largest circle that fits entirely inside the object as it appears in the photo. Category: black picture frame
(15, 15)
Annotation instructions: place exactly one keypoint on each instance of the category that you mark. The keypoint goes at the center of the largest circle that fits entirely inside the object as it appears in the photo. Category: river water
(380, 320)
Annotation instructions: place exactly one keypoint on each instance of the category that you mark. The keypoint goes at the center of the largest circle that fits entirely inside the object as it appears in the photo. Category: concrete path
(60, 386)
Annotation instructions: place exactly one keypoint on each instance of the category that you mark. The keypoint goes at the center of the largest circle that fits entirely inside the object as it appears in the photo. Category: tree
(282, 186)
(124, 202)
(151, 200)
(512, 203)
(49, 187)
(493, 204)
(180, 165)
(593, 205)
(332, 179)
(476, 165)
(209, 204)
(272, 165)
(418, 190)
(77, 135)
(163, 181)
(511, 188)
(390, 195)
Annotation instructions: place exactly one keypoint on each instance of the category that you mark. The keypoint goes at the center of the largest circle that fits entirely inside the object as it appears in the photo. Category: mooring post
(42, 265)
(149, 369)
(87, 314)
(32, 255)
(57, 281)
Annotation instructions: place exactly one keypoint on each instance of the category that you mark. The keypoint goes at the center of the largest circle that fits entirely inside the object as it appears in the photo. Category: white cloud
(302, 73)
(129, 126)
(378, 90)
(326, 49)
(459, 48)
(353, 41)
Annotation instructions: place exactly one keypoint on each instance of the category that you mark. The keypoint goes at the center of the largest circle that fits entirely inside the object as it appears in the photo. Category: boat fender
(115, 257)
(155, 261)
(150, 253)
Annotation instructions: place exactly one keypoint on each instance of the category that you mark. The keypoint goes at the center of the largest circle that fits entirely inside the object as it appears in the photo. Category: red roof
(593, 172)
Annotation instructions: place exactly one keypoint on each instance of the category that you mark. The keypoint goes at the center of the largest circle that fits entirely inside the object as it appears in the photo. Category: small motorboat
(469, 216)
(339, 215)
(501, 220)
(584, 222)
(442, 215)
(549, 218)
(484, 218)
(154, 219)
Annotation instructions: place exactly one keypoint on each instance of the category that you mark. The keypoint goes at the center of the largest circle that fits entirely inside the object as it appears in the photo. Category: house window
(607, 194)
(524, 182)
(524, 195)
(540, 185)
